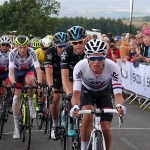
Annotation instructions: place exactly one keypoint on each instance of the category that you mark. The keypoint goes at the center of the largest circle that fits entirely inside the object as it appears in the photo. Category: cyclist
(53, 73)
(35, 43)
(92, 85)
(70, 56)
(22, 61)
(5, 42)
(45, 43)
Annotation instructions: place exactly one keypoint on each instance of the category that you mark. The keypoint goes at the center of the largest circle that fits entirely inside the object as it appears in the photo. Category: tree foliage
(116, 27)
(29, 16)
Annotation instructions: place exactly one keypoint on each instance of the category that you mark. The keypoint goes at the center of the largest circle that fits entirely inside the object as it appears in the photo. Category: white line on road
(130, 128)
(111, 129)
(31, 131)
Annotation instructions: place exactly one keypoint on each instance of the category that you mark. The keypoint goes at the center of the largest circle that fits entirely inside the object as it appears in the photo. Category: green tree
(29, 16)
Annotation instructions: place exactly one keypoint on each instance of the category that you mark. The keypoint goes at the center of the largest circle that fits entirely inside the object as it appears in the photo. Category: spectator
(110, 36)
(143, 49)
(123, 46)
(94, 36)
(103, 36)
(88, 38)
(132, 52)
(139, 57)
(145, 29)
(113, 52)
(123, 36)
(106, 39)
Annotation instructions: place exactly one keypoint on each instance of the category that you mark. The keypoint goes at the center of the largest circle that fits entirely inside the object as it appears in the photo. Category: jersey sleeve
(116, 79)
(77, 77)
(11, 59)
(34, 59)
(48, 63)
(64, 64)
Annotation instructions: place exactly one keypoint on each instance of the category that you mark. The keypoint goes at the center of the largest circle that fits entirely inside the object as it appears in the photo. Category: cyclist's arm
(48, 64)
(116, 84)
(49, 75)
(11, 75)
(119, 99)
(67, 86)
(77, 83)
(65, 81)
(11, 67)
(39, 74)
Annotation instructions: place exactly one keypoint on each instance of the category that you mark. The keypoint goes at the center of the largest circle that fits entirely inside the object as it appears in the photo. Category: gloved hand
(69, 96)
(73, 110)
(14, 85)
(121, 109)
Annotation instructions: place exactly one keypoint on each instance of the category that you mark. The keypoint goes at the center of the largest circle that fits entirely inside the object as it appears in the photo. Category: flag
(131, 9)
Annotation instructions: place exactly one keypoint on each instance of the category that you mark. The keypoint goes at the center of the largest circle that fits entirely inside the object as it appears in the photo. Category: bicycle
(97, 141)
(42, 118)
(25, 122)
(4, 110)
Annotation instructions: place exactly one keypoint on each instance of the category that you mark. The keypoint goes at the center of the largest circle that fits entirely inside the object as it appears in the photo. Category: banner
(134, 79)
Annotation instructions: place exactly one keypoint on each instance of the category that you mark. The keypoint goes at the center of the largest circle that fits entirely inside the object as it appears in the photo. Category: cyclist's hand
(121, 109)
(74, 111)
(69, 97)
(39, 86)
(51, 89)
(14, 85)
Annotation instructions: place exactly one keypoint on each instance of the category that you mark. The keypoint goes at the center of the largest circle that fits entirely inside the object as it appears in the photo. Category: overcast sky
(102, 8)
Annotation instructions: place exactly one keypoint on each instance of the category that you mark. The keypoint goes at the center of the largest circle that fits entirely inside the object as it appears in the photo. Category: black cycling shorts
(102, 99)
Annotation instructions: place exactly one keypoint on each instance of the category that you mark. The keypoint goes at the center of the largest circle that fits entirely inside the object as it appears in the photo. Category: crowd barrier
(136, 82)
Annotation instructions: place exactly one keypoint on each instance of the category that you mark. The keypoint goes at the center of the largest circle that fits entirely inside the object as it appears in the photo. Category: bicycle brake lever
(120, 121)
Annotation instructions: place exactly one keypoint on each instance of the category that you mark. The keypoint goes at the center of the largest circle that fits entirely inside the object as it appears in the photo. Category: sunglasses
(78, 42)
(140, 37)
(94, 58)
(62, 46)
(5, 44)
(44, 48)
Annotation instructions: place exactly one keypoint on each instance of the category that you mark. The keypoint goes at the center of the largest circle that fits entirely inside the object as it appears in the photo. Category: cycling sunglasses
(44, 48)
(5, 44)
(78, 42)
(62, 46)
(94, 58)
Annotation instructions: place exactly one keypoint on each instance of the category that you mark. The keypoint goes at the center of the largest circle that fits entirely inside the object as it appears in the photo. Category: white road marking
(31, 131)
(110, 128)
(130, 128)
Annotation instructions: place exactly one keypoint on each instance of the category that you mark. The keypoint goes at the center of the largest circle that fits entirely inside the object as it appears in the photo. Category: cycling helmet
(45, 42)
(60, 37)
(35, 43)
(50, 37)
(5, 39)
(95, 46)
(22, 40)
(76, 33)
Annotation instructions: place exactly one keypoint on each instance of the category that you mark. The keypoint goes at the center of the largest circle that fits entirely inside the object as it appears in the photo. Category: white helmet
(95, 46)
(45, 42)
(5, 39)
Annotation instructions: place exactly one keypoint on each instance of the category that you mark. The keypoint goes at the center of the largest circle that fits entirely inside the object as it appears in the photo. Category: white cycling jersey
(82, 74)
(15, 61)
(4, 61)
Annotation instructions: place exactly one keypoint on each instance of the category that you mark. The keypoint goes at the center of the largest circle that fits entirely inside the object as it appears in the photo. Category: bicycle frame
(97, 126)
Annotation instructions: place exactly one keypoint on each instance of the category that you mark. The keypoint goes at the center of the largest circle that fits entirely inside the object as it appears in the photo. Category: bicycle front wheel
(99, 141)
(2, 118)
(27, 127)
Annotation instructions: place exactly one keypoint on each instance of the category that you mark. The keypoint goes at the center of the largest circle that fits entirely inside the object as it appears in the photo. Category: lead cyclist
(92, 78)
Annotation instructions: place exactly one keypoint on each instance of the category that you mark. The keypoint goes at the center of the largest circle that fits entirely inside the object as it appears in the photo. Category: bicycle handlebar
(97, 111)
